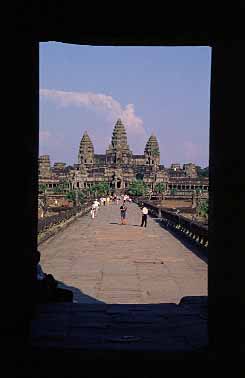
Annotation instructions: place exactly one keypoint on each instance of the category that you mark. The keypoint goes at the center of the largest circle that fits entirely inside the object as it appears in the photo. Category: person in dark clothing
(123, 210)
(46, 286)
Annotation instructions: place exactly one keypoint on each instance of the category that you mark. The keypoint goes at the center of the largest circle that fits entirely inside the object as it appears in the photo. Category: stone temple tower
(86, 151)
(44, 167)
(152, 152)
(118, 151)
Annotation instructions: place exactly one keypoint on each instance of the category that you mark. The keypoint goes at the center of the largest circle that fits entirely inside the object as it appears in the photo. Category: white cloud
(100, 103)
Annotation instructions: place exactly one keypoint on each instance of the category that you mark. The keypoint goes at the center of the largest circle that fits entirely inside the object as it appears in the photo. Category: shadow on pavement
(67, 337)
(78, 295)
(191, 245)
(127, 224)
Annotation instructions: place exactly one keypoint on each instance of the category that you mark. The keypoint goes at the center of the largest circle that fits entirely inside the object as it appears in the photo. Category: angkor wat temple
(119, 167)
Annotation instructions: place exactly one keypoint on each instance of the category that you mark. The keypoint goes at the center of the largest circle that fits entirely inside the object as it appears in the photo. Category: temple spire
(152, 152)
(119, 136)
(118, 151)
(86, 150)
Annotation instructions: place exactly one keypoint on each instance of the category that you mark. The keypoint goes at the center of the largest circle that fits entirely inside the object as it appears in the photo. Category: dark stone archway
(226, 241)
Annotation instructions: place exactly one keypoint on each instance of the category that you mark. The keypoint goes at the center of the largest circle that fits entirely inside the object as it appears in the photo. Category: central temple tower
(118, 152)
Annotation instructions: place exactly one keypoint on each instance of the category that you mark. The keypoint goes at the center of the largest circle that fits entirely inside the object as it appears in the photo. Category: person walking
(92, 211)
(123, 210)
(144, 216)
(96, 205)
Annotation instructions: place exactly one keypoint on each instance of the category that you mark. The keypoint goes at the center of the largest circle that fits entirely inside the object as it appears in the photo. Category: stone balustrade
(192, 230)
(46, 223)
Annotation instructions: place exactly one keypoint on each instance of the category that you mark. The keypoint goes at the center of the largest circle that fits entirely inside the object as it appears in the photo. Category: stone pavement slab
(103, 261)
(157, 327)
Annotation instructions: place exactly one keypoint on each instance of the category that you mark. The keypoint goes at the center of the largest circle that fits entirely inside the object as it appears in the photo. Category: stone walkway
(105, 262)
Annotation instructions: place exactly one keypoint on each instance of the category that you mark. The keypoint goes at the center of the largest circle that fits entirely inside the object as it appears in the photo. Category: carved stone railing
(46, 223)
(59, 209)
(192, 230)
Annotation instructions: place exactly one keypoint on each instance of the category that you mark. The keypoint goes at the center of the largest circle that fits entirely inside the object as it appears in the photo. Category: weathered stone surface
(101, 260)
(119, 167)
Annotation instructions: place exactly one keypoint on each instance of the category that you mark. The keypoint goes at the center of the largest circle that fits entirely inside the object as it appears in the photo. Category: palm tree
(160, 188)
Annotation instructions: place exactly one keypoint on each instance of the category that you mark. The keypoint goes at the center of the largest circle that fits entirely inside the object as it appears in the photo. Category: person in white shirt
(96, 205)
(92, 211)
(144, 216)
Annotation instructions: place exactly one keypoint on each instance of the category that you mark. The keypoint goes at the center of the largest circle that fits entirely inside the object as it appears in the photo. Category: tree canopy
(173, 191)
(138, 188)
(71, 195)
(202, 209)
(100, 189)
(160, 187)
(202, 172)
(42, 187)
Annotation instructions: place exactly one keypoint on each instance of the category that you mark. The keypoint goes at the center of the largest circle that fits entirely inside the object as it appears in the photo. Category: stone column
(194, 199)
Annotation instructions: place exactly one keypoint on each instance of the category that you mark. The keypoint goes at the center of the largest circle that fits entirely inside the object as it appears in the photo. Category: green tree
(160, 188)
(58, 189)
(202, 209)
(198, 191)
(62, 187)
(202, 172)
(100, 189)
(42, 188)
(138, 188)
(81, 197)
(173, 192)
(73, 195)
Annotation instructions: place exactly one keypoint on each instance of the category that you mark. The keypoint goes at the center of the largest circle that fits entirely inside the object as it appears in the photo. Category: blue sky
(164, 90)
